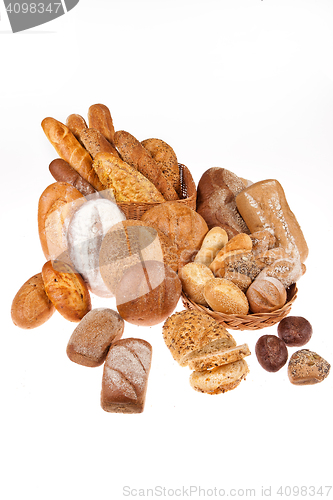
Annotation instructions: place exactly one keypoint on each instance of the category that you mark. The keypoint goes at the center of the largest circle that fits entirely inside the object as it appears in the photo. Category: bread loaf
(125, 376)
(218, 357)
(100, 119)
(263, 205)
(92, 338)
(70, 150)
(63, 172)
(216, 192)
(220, 379)
(127, 183)
(133, 153)
(76, 123)
(95, 142)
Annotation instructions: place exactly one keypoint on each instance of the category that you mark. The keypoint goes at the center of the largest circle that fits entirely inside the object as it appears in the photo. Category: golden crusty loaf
(56, 206)
(70, 150)
(127, 183)
(263, 205)
(166, 159)
(224, 296)
(95, 142)
(216, 192)
(185, 227)
(220, 379)
(91, 339)
(127, 243)
(125, 376)
(133, 153)
(31, 307)
(218, 357)
(99, 118)
(186, 332)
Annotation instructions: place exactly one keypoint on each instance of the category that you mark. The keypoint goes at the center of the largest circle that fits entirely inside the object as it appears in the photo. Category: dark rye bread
(216, 193)
(187, 332)
(125, 376)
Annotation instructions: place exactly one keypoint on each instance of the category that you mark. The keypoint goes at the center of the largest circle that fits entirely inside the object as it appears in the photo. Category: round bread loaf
(194, 276)
(266, 294)
(129, 242)
(271, 352)
(91, 339)
(220, 379)
(147, 293)
(224, 296)
(184, 226)
(295, 331)
(56, 206)
(86, 230)
(31, 307)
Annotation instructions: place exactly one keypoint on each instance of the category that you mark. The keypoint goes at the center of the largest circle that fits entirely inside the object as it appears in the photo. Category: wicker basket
(189, 193)
(248, 321)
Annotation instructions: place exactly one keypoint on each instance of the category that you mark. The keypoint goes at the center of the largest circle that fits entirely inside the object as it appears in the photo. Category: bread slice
(217, 356)
(220, 379)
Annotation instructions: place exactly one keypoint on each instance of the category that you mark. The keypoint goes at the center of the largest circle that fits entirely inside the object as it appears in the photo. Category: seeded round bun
(224, 296)
(307, 368)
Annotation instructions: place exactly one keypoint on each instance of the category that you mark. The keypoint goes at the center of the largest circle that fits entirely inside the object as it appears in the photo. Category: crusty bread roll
(263, 205)
(266, 294)
(31, 306)
(70, 150)
(215, 239)
(147, 293)
(125, 376)
(218, 357)
(220, 379)
(184, 226)
(129, 242)
(262, 241)
(241, 280)
(224, 296)
(85, 234)
(193, 277)
(307, 368)
(134, 154)
(239, 243)
(216, 192)
(190, 331)
(56, 206)
(92, 338)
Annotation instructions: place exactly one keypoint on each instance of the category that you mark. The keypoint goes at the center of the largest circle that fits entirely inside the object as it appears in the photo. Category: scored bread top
(188, 331)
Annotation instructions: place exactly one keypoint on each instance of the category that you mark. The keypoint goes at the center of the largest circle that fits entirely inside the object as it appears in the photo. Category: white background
(241, 84)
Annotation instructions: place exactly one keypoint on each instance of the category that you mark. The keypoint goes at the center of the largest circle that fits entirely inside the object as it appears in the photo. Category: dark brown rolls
(148, 293)
(271, 353)
(295, 331)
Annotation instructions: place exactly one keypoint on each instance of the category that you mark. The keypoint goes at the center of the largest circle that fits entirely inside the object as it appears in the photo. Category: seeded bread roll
(92, 338)
(194, 276)
(224, 296)
(213, 242)
(125, 376)
(95, 142)
(188, 332)
(239, 243)
(218, 357)
(307, 368)
(216, 192)
(220, 379)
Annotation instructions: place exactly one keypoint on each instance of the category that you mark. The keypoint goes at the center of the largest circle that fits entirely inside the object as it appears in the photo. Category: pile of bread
(237, 253)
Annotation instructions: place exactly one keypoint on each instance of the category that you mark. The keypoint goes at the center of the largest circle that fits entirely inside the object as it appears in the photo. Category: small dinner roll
(224, 296)
(193, 277)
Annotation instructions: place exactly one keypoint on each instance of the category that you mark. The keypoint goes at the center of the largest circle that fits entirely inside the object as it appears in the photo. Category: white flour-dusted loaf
(125, 376)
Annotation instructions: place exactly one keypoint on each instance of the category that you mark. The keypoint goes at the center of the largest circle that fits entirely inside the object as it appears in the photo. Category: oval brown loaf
(100, 118)
(63, 172)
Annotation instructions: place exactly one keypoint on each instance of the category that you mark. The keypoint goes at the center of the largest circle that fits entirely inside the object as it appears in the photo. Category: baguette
(76, 123)
(95, 142)
(63, 172)
(99, 118)
(133, 153)
(70, 150)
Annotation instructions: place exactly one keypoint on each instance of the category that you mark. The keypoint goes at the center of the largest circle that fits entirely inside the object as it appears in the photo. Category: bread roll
(216, 192)
(92, 338)
(307, 368)
(239, 243)
(213, 242)
(193, 277)
(263, 205)
(129, 242)
(133, 153)
(70, 150)
(76, 123)
(147, 293)
(185, 227)
(67, 291)
(266, 295)
(125, 376)
(220, 379)
(31, 307)
(224, 296)
(187, 333)
(56, 206)
(63, 172)
(241, 280)
(85, 234)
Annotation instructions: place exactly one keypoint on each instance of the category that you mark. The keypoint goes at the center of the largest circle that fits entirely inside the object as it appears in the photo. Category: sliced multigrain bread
(220, 379)
(205, 359)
